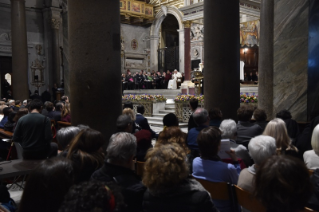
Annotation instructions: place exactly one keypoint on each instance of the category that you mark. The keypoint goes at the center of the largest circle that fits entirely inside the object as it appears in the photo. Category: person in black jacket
(168, 187)
(118, 168)
(142, 121)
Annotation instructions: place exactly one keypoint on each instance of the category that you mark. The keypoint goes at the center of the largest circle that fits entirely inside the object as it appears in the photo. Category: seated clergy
(172, 84)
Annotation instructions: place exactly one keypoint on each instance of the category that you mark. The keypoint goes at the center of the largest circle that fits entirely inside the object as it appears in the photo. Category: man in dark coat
(46, 96)
(118, 169)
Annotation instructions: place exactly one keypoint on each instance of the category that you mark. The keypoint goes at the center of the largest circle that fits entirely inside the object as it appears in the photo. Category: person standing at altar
(167, 78)
(172, 84)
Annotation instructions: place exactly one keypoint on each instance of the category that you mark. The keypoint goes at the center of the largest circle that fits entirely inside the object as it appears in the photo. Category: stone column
(154, 40)
(266, 57)
(187, 48)
(95, 64)
(181, 48)
(221, 52)
(19, 50)
(56, 51)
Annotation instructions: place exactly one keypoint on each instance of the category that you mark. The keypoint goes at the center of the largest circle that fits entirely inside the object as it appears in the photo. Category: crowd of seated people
(83, 172)
(147, 80)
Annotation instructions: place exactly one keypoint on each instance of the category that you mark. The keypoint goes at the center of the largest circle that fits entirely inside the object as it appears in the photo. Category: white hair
(200, 116)
(261, 148)
(121, 148)
(315, 139)
(228, 128)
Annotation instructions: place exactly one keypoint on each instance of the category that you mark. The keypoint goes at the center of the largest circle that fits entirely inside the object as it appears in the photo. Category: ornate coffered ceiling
(158, 3)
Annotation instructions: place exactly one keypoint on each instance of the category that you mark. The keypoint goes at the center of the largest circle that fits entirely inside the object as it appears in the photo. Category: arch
(161, 15)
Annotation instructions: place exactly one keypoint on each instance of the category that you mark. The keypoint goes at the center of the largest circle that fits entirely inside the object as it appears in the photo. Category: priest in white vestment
(172, 84)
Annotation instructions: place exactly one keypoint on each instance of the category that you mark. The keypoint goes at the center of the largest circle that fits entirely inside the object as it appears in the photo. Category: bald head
(201, 117)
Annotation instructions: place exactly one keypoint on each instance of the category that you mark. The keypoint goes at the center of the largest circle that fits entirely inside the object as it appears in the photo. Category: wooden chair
(61, 124)
(140, 168)
(179, 82)
(247, 200)
(308, 210)
(217, 190)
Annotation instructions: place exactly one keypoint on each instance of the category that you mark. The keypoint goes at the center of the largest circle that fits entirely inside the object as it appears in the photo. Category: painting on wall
(128, 5)
(122, 4)
(148, 11)
(134, 44)
(249, 33)
(136, 7)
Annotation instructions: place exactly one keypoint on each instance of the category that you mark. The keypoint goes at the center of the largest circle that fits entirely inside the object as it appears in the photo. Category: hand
(232, 155)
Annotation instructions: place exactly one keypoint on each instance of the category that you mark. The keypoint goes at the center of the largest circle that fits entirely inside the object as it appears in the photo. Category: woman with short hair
(168, 187)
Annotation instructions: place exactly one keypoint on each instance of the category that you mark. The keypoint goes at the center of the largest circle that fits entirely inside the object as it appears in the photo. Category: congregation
(268, 159)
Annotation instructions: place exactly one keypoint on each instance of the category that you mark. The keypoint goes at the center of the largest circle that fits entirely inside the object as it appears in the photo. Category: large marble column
(56, 51)
(187, 50)
(266, 57)
(95, 64)
(221, 52)
(154, 40)
(181, 51)
(19, 50)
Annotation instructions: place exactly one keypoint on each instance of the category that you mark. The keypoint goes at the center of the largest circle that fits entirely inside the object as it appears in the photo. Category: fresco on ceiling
(249, 33)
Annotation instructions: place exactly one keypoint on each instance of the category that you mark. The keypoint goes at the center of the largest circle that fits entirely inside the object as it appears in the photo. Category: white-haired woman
(229, 133)
(311, 157)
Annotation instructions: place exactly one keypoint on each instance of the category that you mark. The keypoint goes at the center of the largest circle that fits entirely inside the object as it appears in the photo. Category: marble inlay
(291, 57)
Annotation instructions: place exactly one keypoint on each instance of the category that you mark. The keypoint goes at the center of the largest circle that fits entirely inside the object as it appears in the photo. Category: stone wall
(139, 58)
(291, 57)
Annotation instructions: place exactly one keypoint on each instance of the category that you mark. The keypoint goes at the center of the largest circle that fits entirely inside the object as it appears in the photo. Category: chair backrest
(19, 150)
(140, 168)
(247, 200)
(217, 190)
(308, 210)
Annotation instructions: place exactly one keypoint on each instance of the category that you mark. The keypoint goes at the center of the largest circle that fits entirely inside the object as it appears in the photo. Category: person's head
(47, 185)
(282, 183)
(164, 74)
(65, 99)
(315, 139)
(2, 107)
(228, 127)
(209, 142)
(170, 120)
(11, 116)
(36, 92)
(201, 117)
(129, 112)
(7, 111)
(284, 114)
(245, 112)
(215, 113)
(140, 109)
(193, 103)
(172, 135)
(49, 106)
(121, 149)
(260, 115)
(86, 147)
(12, 103)
(36, 104)
(175, 71)
(25, 102)
(66, 110)
(92, 196)
(20, 113)
(128, 105)
(261, 148)
(165, 167)
(65, 135)
(168, 71)
(276, 128)
(59, 106)
(124, 123)
(18, 102)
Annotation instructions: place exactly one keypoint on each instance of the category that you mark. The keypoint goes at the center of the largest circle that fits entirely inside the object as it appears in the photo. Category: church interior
(159, 72)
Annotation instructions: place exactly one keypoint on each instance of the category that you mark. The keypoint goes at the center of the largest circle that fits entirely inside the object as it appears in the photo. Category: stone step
(169, 106)
(154, 118)
(160, 123)
(159, 115)
(167, 111)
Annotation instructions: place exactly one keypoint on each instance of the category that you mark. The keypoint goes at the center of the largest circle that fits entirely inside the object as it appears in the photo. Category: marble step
(167, 111)
(154, 118)
(160, 123)
(158, 115)
(170, 106)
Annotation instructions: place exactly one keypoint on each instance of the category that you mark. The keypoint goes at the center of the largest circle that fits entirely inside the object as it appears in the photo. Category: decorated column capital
(187, 24)
(55, 23)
